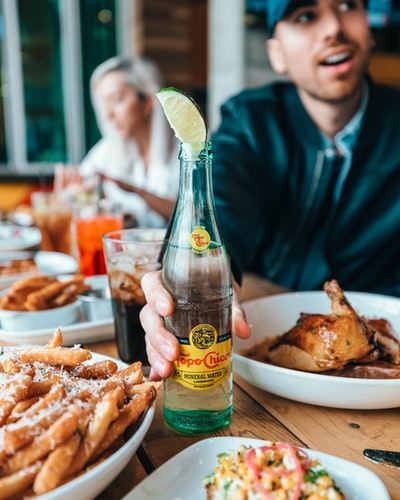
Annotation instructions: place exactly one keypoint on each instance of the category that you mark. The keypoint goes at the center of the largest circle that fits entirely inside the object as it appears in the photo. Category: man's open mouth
(336, 59)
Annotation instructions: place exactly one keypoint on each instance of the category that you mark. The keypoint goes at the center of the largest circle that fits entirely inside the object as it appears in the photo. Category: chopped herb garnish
(312, 475)
(227, 485)
(209, 479)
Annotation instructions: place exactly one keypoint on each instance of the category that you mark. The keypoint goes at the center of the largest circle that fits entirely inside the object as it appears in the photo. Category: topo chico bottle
(196, 272)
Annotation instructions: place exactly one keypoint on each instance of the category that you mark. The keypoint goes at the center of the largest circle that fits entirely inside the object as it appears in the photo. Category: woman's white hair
(140, 73)
(145, 78)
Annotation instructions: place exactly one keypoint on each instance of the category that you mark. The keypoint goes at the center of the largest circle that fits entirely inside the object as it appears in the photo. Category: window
(384, 13)
(3, 151)
(42, 86)
(49, 49)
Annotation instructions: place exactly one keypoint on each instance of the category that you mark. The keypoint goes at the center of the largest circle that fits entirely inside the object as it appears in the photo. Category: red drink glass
(91, 223)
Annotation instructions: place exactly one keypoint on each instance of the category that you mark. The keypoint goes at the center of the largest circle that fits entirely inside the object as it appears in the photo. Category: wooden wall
(385, 68)
(174, 34)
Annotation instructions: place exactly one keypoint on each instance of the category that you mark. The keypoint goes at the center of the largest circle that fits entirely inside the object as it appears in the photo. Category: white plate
(181, 477)
(82, 331)
(18, 238)
(48, 263)
(85, 332)
(92, 483)
(16, 321)
(274, 315)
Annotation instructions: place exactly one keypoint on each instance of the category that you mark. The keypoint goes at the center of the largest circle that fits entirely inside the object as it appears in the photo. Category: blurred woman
(137, 156)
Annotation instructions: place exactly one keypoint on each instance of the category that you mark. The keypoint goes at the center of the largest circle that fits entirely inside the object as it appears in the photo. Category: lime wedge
(183, 114)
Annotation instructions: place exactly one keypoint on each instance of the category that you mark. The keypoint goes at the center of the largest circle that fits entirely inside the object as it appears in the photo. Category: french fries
(19, 266)
(41, 292)
(61, 415)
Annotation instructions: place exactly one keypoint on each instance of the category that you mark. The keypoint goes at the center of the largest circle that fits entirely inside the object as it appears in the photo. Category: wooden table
(258, 414)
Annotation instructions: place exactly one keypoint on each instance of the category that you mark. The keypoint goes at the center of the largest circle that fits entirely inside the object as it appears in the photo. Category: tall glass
(129, 254)
(91, 221)
(54, 219)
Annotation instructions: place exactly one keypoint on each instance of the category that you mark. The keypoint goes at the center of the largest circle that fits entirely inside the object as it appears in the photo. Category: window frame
(73, 96)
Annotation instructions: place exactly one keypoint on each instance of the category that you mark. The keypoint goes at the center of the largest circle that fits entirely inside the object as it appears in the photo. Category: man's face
(323, 46)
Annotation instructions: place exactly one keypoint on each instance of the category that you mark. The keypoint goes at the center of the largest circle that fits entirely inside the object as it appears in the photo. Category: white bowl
(90, 484)
(35, 320)
(276, 314)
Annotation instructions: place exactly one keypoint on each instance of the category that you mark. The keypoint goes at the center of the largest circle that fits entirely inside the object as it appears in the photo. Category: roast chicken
(336, 341)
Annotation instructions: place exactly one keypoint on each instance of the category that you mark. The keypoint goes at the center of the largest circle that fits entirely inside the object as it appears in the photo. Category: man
(306, 174)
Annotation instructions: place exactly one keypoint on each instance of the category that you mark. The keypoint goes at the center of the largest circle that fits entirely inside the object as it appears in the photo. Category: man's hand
(162, 346)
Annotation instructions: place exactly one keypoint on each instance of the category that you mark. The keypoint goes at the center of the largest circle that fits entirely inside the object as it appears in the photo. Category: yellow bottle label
(203, 363)
(200, 239)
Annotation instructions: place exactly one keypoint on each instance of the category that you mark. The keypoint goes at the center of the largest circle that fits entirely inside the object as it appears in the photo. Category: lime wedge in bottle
(183, 114)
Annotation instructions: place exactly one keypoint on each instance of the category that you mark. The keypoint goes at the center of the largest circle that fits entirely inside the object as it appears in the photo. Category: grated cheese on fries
(60, 414)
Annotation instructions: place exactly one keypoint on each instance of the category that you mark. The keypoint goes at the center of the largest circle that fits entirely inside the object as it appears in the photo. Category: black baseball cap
(275, 11)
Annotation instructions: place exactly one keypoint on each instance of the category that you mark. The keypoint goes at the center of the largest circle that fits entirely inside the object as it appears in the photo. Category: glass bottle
(196, 272)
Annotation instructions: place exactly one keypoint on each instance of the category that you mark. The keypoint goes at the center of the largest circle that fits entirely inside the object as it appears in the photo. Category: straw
(44, 186)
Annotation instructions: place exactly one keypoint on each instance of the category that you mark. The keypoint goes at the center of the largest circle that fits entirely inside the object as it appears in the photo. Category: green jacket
(268, 159)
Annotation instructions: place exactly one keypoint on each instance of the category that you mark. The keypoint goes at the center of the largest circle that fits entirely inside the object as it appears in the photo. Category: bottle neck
(195, 151)
(195, 185)
(195, 206)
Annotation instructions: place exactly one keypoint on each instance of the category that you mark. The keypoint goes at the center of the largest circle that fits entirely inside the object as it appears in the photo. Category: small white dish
(274, 315)
(37, 320)
(181, 477)
(14, 237)
(81, 332)
(21, 218)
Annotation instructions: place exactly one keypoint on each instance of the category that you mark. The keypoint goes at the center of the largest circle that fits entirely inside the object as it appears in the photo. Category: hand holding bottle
(162, 345)
(198, 392)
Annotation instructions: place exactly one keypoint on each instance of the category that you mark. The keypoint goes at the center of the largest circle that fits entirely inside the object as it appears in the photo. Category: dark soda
(130, 336)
